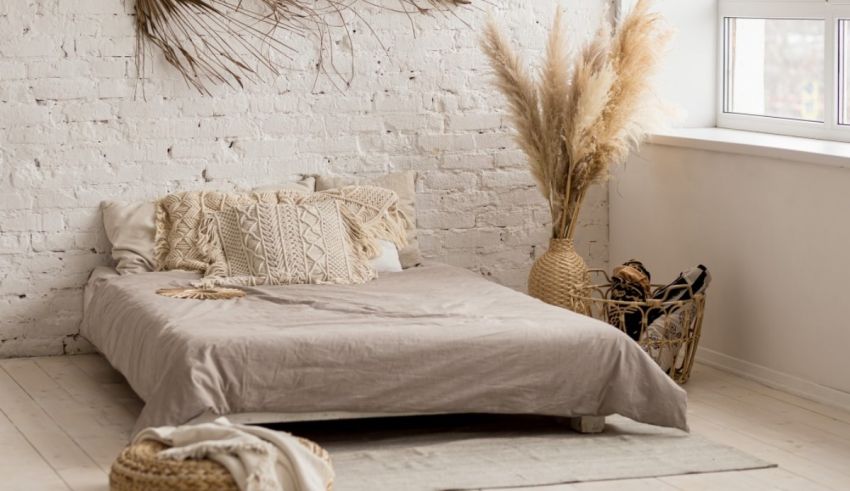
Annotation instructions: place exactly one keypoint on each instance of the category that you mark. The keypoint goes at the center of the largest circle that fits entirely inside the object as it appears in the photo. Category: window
(783, 67)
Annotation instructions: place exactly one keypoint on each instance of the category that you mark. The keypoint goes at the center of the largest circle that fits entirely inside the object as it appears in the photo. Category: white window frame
(831, 11)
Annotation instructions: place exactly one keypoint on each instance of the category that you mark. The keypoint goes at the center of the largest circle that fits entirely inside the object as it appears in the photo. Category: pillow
(387, 261)
(271, 244)
(130, 229)
(178, 221)
(377, 209)
(306, 184)
(404, 185)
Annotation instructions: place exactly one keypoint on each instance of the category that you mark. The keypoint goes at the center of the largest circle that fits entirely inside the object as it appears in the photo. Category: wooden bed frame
(580, 424)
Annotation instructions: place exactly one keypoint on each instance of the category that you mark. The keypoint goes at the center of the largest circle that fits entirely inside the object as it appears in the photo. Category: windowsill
(832, 153)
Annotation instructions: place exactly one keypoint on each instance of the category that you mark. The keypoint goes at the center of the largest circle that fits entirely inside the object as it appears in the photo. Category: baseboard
(775, 379)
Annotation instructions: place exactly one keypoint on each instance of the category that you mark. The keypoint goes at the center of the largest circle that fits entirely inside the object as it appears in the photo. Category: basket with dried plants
(584, 113)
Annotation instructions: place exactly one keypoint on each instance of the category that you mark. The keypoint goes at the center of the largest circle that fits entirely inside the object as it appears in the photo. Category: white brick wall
(74, 131)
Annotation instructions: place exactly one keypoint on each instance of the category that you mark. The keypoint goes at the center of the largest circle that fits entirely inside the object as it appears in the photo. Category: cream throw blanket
(258, 459)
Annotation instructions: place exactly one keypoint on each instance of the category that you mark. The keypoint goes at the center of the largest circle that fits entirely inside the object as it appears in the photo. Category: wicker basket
(668, 330)
(138, 468)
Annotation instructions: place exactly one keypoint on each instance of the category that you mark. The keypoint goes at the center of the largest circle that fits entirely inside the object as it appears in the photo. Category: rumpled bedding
(432, 339)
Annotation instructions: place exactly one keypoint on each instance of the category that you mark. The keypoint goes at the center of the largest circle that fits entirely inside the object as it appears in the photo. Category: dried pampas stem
(234, 41)
(201, 293)
(585, 112)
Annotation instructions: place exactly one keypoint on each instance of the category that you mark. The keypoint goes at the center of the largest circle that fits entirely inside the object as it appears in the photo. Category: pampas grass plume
(586, 110)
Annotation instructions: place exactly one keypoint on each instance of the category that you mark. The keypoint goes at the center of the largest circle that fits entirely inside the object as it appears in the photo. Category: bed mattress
(433, 339)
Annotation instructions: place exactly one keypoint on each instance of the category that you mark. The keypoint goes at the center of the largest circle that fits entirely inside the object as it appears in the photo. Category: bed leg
(586, 424)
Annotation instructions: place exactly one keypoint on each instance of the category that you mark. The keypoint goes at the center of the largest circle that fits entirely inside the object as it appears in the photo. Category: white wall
(72, 134)
(688, 79)
(775, 236)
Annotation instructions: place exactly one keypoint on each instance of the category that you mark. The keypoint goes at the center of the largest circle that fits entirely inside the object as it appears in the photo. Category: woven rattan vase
(560, 277)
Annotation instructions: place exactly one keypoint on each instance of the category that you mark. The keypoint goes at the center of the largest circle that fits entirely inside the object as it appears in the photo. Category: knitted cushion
(378, 210)
(403, 184)
(178, 220)
(283, 244)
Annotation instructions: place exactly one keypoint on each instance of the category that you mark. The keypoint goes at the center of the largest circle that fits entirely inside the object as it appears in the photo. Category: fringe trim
(362, 247)
(161, 247)
(392, 225)
(388, 223)
(209, 245)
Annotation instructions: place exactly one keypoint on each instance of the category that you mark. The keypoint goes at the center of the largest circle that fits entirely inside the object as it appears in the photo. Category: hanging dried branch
(231, 42)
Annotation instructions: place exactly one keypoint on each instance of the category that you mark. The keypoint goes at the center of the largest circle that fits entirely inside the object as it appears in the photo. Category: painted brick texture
(76, 129)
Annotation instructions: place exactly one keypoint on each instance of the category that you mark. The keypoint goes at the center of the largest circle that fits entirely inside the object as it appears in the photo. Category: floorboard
(48, 437)
(63, 420)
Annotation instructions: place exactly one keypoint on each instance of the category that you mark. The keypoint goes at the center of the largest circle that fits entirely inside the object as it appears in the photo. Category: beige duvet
(432, 339)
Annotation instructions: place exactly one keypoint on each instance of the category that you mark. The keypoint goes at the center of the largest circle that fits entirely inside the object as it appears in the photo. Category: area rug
(474, 452)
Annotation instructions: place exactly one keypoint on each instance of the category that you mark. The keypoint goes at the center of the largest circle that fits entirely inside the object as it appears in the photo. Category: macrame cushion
(401, 183)
(280, 244)
(377, 209)
(179, 217)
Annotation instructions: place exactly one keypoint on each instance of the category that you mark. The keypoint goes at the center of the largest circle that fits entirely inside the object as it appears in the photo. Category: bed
(431, 339)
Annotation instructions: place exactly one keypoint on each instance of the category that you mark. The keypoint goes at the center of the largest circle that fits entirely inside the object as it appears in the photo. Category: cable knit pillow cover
(403, 184)
(281, 244)
(378, 210)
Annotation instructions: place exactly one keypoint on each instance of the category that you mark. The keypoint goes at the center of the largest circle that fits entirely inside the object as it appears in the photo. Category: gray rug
(472, 452)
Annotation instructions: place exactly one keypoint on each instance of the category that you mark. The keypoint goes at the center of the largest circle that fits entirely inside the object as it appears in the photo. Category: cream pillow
(378, 210)
(269, 244)
(130, 229)
(307, 184)
(178, 222)
(404, 185)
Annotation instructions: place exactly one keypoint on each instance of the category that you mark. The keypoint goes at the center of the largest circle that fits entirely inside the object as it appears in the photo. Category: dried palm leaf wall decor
(234, 41)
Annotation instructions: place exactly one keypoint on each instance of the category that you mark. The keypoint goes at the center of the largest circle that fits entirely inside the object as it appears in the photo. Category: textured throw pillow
(130, 229)
(377, 209)
(179, 217)
(404, 185)
(268, 244)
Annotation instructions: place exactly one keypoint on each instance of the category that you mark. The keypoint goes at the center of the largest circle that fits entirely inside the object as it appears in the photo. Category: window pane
(844, 84)
(775, 67)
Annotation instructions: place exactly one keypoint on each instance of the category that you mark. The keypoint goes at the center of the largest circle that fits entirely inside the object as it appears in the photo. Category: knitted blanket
(258, 459)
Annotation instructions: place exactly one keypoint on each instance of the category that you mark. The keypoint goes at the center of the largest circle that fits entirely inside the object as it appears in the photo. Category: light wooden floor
(64, 419)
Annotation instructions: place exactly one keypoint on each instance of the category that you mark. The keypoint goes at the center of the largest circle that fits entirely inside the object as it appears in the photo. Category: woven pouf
(138, 468)
(560, 276)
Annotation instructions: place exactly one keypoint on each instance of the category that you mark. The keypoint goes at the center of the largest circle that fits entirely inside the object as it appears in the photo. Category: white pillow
(387, 261)
(130, 229)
